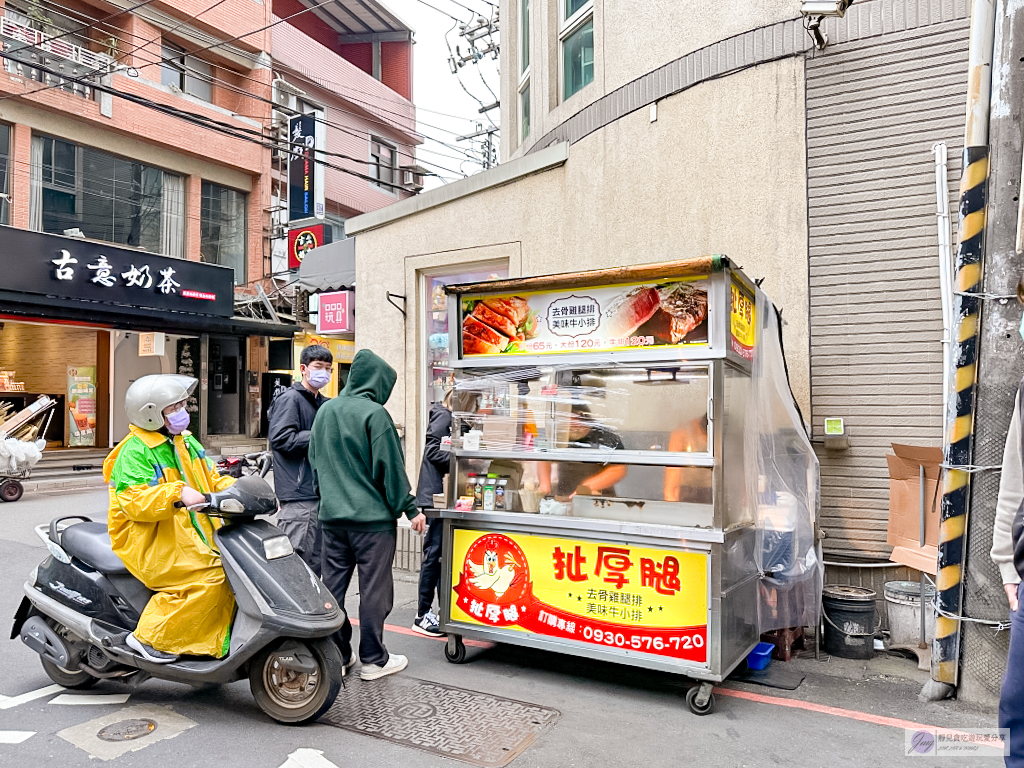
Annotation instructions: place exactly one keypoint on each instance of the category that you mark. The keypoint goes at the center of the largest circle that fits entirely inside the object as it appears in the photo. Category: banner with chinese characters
(672, 313)
(135, 281)
(741, 321)
(82, 405)
(614, 595)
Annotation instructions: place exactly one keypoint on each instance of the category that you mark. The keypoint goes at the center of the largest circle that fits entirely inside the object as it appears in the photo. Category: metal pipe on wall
(939, 151)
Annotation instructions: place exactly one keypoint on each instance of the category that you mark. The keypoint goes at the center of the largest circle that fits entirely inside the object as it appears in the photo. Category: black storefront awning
(330, 267)
(62, 309)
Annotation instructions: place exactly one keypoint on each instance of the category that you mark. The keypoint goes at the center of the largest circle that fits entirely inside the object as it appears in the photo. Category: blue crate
(761, 656)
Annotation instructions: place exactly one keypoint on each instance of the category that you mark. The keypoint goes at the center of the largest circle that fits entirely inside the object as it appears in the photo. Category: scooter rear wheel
(66, 677)
(292, 697)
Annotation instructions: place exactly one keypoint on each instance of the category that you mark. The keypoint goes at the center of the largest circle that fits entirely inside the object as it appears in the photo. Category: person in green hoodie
(359, 476)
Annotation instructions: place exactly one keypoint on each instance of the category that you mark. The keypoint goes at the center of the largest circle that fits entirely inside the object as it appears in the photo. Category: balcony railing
(29, 49)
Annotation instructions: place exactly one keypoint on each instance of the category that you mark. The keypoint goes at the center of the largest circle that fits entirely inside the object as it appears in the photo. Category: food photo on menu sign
(600, 319)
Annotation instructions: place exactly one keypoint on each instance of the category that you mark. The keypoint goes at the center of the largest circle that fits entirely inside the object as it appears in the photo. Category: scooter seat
(90, 543)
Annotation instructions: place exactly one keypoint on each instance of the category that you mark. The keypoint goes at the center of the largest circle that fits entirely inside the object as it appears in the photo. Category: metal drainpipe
(966, 324)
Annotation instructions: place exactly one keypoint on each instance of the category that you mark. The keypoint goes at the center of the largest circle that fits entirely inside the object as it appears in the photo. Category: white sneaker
(148, 652)
(346, 667)
(395, 664)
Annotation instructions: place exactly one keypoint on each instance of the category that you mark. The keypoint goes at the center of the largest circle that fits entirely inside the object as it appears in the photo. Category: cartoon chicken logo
(489, 575)
(495, 570)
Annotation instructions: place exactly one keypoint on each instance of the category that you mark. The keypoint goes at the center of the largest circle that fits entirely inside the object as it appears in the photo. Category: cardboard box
(905, 506)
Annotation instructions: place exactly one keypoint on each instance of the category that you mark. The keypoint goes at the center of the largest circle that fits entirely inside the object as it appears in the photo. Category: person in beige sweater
(1005, 544)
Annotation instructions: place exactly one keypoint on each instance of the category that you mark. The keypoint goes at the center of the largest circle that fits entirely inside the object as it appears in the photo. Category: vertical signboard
(82, 405)
(305, 175)
(302, 240)
(741, 321)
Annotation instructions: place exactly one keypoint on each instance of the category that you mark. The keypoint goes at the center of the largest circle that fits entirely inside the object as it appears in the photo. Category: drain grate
(473, 727)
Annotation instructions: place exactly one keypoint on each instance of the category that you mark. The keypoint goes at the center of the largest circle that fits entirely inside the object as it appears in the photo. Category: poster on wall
(672, 313)
(186, 363)
(613, 595)
(82, 405)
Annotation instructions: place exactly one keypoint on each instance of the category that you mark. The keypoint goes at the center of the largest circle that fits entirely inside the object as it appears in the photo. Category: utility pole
(1000, 363)
(490, 154)
(963, 401)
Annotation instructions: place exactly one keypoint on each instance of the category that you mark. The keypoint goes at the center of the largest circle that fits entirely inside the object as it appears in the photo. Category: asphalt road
(607, 715)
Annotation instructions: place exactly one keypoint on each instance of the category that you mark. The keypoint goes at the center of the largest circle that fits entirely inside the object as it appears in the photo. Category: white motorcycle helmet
(147, 397)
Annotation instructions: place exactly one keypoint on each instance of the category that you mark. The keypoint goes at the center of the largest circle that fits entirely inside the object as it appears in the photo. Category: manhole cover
(126, 730)
(473, 727)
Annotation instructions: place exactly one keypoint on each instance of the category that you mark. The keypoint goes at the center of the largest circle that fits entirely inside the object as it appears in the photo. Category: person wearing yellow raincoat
(169, 549)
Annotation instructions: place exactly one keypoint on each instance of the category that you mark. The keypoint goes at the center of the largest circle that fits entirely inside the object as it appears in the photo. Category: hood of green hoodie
(370, 377)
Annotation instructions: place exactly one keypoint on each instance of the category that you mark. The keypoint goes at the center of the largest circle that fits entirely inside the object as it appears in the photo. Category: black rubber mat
(774, 676)
(477, 728)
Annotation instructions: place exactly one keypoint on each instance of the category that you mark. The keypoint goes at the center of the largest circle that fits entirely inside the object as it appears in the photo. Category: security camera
(815, 11)
(818, 8)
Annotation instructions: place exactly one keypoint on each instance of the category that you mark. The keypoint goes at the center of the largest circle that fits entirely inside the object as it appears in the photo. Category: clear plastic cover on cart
(782, 475)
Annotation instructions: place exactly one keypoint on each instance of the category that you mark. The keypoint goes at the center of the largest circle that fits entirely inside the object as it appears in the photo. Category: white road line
(307, 758)
(15, 737)
(16, 701)
(91, 698)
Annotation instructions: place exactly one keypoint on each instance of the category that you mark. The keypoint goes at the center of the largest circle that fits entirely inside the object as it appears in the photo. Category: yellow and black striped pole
(969, 271)
(960, 419)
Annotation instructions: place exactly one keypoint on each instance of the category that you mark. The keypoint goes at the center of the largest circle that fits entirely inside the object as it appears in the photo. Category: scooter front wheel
(290, 695)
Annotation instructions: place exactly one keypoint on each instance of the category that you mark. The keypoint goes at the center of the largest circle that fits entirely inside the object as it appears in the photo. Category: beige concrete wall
(720, 171)
(630, 40)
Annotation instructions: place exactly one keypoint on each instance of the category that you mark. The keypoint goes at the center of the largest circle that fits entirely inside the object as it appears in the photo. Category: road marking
(91, 698)
(15, 701)
(307, 758)
(824, 709)
(15, 737)
(412, 633)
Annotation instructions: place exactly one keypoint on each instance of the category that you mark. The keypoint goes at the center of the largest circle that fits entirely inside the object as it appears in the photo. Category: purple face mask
(178, 422)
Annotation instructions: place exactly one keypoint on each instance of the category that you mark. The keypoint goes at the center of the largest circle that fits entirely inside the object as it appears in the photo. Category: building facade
(635, 134)
(140, 169)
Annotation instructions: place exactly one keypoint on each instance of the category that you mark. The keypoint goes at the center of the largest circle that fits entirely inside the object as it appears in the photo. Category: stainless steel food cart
(605, 498)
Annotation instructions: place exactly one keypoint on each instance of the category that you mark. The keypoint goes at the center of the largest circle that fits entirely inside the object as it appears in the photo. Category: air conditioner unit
(412, 180)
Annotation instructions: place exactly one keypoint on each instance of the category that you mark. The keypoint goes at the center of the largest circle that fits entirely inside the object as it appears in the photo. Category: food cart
(630, 479)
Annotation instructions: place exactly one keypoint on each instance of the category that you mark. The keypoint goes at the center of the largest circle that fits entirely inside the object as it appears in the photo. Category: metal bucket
(849, 615)
(903, 604)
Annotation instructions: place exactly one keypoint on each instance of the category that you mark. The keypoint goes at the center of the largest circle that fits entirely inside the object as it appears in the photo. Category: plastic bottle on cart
(489, 492)
(499, 493)
(471, 484)
(478, 492)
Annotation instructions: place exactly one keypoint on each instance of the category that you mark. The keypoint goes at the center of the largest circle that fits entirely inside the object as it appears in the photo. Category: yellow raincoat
(170, 549)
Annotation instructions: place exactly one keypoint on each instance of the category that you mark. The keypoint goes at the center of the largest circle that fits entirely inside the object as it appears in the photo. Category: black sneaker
(428, 625)
(148, 652)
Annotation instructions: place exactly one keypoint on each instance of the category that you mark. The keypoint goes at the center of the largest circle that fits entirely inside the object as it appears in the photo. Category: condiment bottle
(499, 492)
(471, 484)
(478, 493)
(489, 493)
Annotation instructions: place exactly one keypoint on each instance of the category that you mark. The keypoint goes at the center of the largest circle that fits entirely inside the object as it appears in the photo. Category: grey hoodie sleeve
(1011, 494)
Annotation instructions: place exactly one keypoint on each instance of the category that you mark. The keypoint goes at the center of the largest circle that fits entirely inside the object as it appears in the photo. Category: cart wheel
(455, 649)
(694, 697)
(11, 490)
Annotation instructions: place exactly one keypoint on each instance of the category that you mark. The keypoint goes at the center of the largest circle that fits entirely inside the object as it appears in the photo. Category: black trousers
(372, 553)
(1011, 708)
(430, 568)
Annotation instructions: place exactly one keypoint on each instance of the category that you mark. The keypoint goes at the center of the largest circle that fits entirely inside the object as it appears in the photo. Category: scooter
(81, 602)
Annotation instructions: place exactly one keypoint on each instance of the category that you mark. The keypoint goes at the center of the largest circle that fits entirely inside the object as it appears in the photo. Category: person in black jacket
(291, 419)
(432, 472)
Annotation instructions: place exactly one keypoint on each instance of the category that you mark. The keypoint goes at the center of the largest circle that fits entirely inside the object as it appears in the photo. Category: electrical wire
(443, 13)
(249, 94)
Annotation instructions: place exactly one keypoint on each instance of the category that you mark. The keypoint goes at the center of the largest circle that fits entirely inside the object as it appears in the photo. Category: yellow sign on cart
(741, 321)
(615, 595)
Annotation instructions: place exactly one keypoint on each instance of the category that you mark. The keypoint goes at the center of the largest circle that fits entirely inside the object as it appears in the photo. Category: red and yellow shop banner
(614, 595)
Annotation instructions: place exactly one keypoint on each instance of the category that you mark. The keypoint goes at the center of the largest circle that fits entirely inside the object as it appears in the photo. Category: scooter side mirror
(250, 495)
